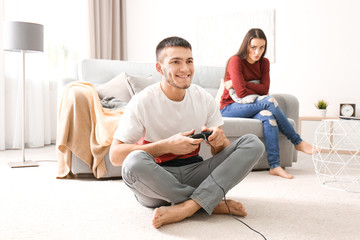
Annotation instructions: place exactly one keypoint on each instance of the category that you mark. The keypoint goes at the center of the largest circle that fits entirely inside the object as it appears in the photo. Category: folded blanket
(84, 128)
(112, 103)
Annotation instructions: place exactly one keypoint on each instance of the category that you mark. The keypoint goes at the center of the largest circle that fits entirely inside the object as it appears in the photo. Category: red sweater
(241, 72)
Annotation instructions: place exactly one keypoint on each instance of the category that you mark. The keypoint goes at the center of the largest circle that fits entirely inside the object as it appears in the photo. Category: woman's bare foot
(174, 213)
(305, 147)
(236, 208)
(279, 171)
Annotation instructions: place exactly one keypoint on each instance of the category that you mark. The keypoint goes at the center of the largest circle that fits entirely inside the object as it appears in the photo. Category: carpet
(36, 205)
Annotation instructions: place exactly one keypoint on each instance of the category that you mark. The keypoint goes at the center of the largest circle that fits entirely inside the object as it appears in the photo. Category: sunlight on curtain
(65, 42)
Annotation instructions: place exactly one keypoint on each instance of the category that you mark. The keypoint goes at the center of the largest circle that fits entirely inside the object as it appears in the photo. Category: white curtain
(107, 31)
(64, 43)
(38, 109)
(2, 83)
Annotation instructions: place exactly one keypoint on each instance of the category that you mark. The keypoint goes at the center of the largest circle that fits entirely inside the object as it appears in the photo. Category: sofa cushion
(116, 87)
(235, 127)
(241, 126)
(220, 92)
(208, 77)
(137, 83)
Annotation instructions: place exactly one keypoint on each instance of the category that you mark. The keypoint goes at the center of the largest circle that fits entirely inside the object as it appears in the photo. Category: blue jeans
(266, 109)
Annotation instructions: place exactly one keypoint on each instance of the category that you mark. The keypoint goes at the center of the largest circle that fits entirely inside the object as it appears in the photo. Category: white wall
(316, 42)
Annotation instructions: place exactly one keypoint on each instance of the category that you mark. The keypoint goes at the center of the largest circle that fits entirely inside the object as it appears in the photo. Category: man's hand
(217, 139)
(181, 144)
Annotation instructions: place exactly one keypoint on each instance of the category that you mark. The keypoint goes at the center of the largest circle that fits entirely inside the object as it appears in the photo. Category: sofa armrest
(63, 82)
(290, 106)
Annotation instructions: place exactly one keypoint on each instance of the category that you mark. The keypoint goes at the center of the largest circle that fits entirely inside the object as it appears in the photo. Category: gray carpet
(36, 205)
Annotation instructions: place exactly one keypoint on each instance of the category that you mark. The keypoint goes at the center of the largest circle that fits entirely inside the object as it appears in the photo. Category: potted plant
(321, 105)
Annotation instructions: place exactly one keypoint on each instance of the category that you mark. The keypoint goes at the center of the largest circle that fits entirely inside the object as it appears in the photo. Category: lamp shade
(23, 36)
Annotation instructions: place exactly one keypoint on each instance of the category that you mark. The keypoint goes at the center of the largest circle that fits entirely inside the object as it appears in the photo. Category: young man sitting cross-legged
(164, 169)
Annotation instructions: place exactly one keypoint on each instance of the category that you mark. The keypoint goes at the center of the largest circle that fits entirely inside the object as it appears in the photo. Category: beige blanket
(84, 128)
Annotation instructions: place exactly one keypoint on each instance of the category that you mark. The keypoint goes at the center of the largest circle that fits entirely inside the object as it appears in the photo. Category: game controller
(204, 135)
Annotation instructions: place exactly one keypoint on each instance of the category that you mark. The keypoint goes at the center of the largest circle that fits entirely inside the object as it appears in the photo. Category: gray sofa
(99, 72)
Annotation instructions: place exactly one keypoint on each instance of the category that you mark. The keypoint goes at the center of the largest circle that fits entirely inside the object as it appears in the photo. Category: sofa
(101, 72)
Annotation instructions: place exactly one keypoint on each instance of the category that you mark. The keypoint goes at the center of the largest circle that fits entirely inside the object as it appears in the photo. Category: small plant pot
(322, 112)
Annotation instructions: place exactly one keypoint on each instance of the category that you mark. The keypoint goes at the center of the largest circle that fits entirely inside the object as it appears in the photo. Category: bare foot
(279, 171)
(236, 208)
(305, 147)
(174, 213)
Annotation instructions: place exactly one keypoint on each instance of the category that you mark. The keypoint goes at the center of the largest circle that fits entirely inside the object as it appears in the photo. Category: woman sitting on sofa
(247, 82)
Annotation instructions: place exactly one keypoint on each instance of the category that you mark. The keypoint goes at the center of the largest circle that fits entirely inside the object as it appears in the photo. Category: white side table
(308, 125)
(337, 163)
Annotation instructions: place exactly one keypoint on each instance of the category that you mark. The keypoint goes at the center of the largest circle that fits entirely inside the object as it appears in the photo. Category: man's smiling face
(177, 66)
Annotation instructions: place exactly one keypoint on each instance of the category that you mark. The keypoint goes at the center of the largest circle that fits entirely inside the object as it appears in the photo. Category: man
(164, 169)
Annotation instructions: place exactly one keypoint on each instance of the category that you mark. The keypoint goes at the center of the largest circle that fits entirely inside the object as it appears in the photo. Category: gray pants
(156, 185)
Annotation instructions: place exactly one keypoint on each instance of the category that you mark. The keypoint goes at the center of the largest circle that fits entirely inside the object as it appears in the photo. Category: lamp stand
(24, 163)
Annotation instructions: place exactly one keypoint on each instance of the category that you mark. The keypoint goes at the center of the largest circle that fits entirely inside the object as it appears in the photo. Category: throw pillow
(137, 83)
(219, 92)
(116, 87)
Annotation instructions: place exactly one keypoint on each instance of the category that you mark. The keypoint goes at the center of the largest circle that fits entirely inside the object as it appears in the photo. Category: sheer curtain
(38, 107)
(65, 42)
(2, 83)
(107, 31)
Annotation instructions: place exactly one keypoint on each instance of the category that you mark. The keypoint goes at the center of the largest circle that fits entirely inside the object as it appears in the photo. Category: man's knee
(135, 163)
(249, 149)
(252, 142)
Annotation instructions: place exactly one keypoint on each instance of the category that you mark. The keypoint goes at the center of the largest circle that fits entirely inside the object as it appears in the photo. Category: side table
(308, 125)
(311, 118)
(337, 162)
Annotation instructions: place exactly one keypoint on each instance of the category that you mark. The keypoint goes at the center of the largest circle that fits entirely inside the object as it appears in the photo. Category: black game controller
(204, 135)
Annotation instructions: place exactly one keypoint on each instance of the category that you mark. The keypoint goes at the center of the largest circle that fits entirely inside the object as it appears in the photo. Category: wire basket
(337, 160)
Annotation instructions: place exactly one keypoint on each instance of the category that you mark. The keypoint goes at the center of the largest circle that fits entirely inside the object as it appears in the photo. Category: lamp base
(23, 164)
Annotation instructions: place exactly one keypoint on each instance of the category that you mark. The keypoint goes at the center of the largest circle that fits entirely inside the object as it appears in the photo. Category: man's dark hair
(171, 42)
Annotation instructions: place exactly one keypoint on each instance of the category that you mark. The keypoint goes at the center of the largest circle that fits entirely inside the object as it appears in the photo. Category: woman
(247, 82)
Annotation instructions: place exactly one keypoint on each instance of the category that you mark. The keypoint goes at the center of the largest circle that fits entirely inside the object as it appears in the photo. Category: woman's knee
(266, 115)
(269, 100)
(273, 101)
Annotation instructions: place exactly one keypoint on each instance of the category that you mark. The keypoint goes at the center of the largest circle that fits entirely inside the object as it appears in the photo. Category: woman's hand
(228, 84)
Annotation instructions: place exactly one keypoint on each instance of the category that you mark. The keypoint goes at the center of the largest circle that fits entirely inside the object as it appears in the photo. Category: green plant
(321, 104)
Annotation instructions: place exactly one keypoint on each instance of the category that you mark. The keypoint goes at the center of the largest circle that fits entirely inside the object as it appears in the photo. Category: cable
(225, 194)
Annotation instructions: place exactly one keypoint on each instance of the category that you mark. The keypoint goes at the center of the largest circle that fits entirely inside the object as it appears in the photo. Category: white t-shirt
(152, 115)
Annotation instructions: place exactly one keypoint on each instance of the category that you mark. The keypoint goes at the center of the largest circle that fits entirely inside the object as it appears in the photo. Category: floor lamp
(23, 37)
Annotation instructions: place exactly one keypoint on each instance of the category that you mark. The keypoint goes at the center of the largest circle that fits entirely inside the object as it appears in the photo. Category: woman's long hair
(243, 51)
